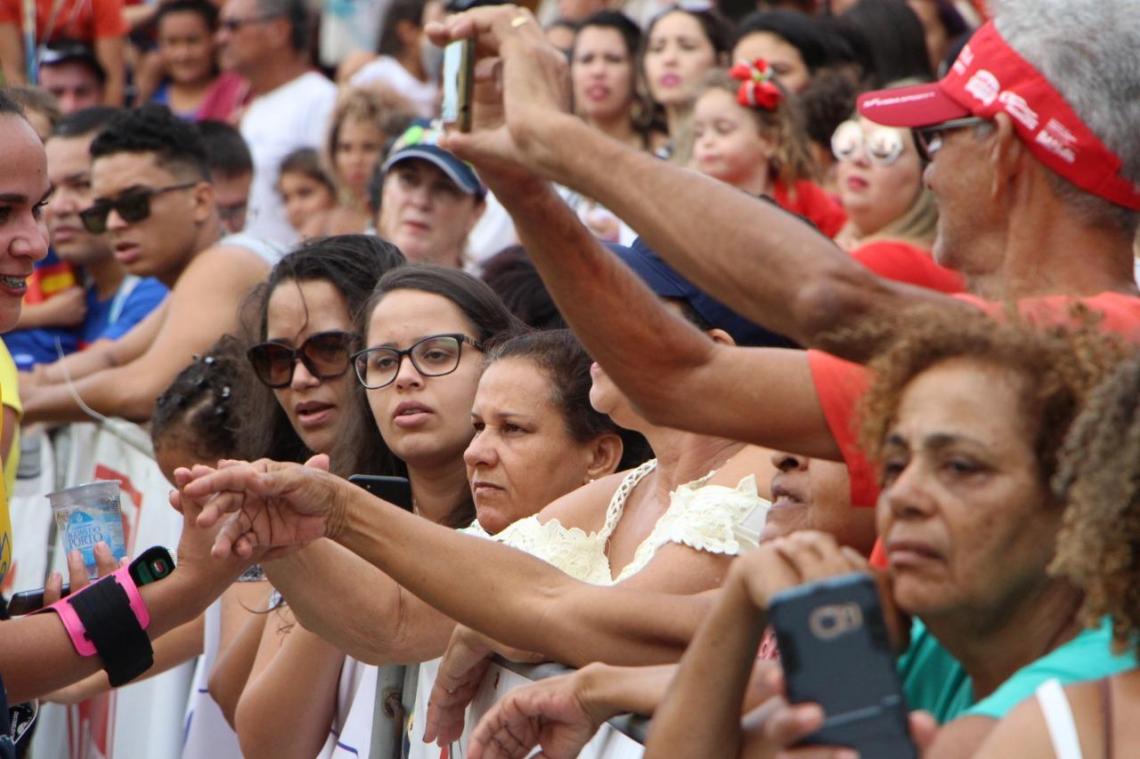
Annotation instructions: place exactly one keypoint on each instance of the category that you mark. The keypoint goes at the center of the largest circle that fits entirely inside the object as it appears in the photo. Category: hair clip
(757, 89)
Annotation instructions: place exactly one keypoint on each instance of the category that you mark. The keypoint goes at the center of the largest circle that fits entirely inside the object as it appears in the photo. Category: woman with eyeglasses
(891, 216)
(426, 329)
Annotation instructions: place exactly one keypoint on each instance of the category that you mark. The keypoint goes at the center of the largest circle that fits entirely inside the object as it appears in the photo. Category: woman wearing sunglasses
(891, 216)
(427, 328)
(305, 337)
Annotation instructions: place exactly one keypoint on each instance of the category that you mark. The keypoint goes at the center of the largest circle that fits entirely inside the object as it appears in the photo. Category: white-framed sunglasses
(882, 145)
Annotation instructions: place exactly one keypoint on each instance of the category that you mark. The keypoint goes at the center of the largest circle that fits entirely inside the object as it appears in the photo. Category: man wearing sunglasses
(152, 199)
(114, 301)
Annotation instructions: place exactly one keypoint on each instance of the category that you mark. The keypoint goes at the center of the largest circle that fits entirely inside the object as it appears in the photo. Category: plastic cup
(89, 513)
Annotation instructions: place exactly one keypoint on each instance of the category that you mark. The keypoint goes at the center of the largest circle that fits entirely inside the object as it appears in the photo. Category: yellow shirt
(10, 397)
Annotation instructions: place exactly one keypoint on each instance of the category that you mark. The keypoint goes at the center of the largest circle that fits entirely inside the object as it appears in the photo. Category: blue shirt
(934, 680)
(112, 318)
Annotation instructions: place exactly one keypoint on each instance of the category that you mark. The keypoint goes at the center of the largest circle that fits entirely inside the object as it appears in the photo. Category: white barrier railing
(609, 742)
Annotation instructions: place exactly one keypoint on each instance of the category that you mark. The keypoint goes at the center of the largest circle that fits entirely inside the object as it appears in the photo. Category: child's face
(304, 198)
(727, 143)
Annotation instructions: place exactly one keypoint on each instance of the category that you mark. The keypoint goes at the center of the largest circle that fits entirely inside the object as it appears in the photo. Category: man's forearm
(714, 673)
(649, 349)
(765, 263)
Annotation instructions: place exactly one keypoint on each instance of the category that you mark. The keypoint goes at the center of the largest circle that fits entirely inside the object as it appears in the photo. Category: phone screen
(457, 73)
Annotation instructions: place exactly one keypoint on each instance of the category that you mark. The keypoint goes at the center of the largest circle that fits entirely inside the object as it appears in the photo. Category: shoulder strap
(617, 502)
(1059, 719)
(1106, 701)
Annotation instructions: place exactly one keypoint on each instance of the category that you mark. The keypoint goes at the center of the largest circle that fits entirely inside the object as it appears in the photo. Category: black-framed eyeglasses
(132, 206)
(326, 355)
(929, 139)
(232, 25)
(432, 356)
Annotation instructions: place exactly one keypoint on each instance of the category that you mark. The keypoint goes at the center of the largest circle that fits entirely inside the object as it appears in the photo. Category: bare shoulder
(585, 507)
(225, 266)
(750, 460)
(973, 736)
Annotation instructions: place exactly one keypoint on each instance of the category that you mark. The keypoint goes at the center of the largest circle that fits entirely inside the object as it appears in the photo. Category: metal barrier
(621, 738)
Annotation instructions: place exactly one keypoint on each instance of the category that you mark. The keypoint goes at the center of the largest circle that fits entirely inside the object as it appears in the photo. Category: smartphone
(458, 82)
(395, 490)
(153, 564)
(835, 651)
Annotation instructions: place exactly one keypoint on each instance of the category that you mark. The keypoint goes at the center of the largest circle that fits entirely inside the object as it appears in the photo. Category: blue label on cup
(85, 530)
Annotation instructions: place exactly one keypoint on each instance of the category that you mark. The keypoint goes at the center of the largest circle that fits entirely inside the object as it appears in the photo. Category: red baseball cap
(990, 77)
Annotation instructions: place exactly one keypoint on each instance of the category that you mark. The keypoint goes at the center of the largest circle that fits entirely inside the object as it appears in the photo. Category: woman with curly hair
(966, 420)
(1099, 478)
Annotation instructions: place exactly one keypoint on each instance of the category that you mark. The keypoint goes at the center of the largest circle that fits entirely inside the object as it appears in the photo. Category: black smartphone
(835, 651)
(395, 490)
(458, 81)
(153, 564)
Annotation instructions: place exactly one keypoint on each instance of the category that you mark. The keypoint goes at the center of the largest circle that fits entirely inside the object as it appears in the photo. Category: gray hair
(1087, 50)
(296, 13)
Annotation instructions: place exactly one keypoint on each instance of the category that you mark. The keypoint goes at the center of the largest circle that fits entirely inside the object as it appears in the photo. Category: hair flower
(757, 89)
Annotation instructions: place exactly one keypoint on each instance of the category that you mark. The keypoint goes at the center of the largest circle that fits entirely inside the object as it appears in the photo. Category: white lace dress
(706, 517)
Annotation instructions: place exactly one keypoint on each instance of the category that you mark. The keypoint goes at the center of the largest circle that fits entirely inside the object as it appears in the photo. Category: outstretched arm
(522, 599)
(767, 264)
(376, 621)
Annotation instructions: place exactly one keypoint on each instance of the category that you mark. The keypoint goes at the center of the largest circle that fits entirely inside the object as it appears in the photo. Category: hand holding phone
(836, 652)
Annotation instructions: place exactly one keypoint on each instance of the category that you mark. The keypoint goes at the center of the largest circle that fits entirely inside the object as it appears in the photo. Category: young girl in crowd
(678, 48)
(747, 132)
(362, 125)
(307, 191)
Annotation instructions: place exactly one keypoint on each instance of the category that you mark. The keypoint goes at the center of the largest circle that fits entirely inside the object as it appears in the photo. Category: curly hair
(1098, 477)
(1059, 366)
(176, 144)
(197, 409)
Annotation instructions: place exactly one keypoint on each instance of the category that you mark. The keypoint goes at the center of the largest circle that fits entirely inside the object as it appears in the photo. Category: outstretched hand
(271, 506)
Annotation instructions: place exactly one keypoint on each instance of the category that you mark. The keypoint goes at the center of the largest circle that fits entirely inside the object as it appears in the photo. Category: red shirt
(839, 384)
(813, 203)
(904, 262)
(80, 20)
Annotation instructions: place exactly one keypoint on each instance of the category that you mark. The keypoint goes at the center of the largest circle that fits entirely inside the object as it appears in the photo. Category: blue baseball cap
(668, 283)
(420, 141)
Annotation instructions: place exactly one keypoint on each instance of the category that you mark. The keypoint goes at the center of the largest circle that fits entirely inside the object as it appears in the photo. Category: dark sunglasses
(326, 355)
(132, 206)
(929, 139)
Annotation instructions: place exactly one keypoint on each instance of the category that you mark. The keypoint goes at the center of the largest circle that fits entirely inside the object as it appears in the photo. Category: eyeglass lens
(431, 357)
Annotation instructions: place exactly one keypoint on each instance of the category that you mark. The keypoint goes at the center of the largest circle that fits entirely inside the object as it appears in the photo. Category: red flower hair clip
(757, 90)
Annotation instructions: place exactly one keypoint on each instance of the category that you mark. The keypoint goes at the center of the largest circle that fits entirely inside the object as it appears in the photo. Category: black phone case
(835, 652)
(395, 490)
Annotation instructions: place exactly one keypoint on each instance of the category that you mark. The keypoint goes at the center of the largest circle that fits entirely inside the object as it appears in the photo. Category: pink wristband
(75, 629)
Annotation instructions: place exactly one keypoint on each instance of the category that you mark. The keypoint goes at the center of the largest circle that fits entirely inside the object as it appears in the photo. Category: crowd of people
(712, 305)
